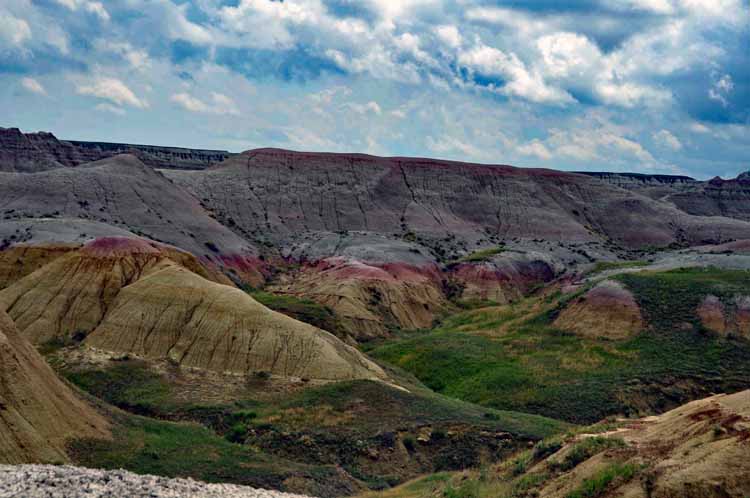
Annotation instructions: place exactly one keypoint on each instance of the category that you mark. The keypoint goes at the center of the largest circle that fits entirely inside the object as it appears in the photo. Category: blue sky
(657, 86)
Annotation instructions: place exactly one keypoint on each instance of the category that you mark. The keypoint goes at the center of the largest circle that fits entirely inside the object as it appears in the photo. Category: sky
(651, 86)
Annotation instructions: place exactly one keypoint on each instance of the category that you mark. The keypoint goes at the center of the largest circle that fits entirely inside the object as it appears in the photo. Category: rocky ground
(50, 481)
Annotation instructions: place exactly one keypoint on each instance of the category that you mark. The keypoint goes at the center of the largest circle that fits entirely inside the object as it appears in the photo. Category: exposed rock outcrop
(370, 298)
(123, 192)
(174, 313)
(70, 295)
(608, 310)
(38, 412)
(730, 318)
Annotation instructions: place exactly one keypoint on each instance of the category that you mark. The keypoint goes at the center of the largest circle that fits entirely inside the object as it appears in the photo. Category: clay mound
(504, 279)
(70, 295)
(369, 298)
(38, 413)
(730, 318)
(175, 314)
(608, 310)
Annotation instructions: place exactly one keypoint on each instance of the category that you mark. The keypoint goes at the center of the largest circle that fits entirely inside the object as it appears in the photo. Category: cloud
(96, 8)
(535, 148)
(110, 108)
(33, 86)
(516, 79)
(666, 139)
(220, 104)
(111, 89)
(13, 30)
(721, 89)
(368, 108)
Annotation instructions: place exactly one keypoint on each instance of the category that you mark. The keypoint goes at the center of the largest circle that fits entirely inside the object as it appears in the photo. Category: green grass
(303, 310)
(481, 255)
(599, 484)
(603, 266)
(585, 449)
(147, 446)
(130, 385)
(536, 368)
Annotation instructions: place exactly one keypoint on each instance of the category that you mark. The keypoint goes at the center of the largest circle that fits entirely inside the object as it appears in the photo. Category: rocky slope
(287, 194)
(124, 193)
(699, 450)
(127, 295)
(40, 481)
(38, 412)
(33, 152)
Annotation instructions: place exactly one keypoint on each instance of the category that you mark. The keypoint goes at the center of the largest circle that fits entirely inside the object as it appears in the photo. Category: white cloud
(370, 107)
(699, 128)
(520, 81)
(13, 30)
(667, 139)
(96, 8)
(104, 107)
(220, 104)
(449, 35)
(113, 90)
(721, 89)
(33, 86)
(136, 58)
(535, 148)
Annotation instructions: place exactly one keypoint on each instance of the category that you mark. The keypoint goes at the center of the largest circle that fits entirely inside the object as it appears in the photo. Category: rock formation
(38, 412)
(608, 310)
(173, 313)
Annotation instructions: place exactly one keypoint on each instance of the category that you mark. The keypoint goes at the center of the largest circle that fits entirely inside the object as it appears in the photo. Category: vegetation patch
(599, 484)
(481, 255)
(303, 310)
(499, 358)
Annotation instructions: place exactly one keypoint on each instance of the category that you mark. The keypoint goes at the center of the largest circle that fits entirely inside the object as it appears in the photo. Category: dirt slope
(123, 192)
(608, 310)
(71, 294)
(38, 413)
(174, 313)
(287, 193)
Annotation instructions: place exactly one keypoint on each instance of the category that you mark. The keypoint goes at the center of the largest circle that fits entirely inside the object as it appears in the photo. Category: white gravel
(53, 481)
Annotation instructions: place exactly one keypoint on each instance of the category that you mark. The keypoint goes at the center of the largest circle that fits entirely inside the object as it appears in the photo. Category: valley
(349, 325)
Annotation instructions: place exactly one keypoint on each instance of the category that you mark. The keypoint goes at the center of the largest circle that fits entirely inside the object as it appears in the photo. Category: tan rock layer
(176, 314)
(38, 412)
(608, 310)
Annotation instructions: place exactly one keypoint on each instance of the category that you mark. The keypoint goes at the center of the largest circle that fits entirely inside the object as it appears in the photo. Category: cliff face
(33, 152)
(279, 195)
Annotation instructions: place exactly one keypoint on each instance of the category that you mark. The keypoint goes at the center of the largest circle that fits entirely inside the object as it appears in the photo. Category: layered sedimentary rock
(608, 310)
(175, 314)
(732, 317)
(70, 295)
(129, 295)
(156, 156)
(279, 195)
(502, 279)
(370, 298)
(38, 412)
(697, 450)
(124, 193)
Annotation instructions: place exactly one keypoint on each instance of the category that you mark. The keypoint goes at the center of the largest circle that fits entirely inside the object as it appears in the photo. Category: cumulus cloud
(13, 31)
(219, 104)
(96, 8)
(33, 86)
(530, 69)
(666, 139)
(111, 89)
